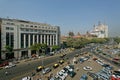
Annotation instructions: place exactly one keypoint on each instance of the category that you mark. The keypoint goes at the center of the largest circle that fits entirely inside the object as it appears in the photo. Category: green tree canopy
(55, 47)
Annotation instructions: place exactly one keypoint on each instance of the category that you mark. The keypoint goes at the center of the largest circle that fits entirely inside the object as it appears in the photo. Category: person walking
(6, 73)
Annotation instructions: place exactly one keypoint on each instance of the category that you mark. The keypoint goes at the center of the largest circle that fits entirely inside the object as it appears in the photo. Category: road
(26, 69)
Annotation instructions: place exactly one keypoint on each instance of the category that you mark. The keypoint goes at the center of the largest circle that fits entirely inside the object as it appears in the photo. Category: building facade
(100, 30)
(21, 34)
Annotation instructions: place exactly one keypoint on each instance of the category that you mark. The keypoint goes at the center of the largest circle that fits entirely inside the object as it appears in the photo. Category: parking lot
(78, 69)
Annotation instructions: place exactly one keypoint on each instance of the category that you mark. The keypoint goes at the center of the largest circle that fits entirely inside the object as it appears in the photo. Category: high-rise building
(100, 30)
(21, 34)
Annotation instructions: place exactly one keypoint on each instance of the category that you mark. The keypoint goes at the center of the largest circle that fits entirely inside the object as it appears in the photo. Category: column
(24, 41)
(44, 39)
(29, 53)
(50, 40)
(16, 54)
(29, 40)
(37, 38)
(47, 39)
(53, 39)
(33, 39)
(56, 39)
(20, 53)
(41, 38)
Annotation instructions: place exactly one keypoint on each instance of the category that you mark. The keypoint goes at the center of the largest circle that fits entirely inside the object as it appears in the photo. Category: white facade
(100, 30)
(22, 34)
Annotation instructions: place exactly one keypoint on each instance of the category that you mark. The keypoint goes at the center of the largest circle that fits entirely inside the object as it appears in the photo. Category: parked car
(46, 70)
(26, 78)
(87, 68)
(69, 68)
(4, 63)
(61, 75)
(71, 73)
(81, 60)
(107, 66)
(93, 75)
(84, 77)
(10, 66)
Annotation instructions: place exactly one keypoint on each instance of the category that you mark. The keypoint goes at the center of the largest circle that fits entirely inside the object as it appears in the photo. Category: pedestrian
(6, 73)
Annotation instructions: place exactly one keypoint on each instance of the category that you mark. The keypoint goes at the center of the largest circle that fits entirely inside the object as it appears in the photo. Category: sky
(70, 15)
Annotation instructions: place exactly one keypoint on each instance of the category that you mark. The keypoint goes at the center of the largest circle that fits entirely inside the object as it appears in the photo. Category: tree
(36, 47)
(117, 39)
(55, 47)
(43, 48)
(9, 50)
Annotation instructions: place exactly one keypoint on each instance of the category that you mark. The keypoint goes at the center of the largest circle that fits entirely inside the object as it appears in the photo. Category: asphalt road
(25, 68)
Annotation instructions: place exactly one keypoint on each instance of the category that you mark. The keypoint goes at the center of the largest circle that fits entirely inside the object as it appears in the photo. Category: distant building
(100, 31)
(21, 34)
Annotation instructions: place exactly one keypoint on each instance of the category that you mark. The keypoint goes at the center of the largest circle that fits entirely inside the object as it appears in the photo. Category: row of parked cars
(66, 71)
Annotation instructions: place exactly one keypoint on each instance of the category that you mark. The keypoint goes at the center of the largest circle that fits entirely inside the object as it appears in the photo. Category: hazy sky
(70, 15)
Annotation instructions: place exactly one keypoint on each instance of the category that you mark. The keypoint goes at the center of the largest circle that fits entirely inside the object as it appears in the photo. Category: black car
(71, 73)
(93, 75)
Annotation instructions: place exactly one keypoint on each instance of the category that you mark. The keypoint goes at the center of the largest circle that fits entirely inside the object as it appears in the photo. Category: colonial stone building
(21, 34)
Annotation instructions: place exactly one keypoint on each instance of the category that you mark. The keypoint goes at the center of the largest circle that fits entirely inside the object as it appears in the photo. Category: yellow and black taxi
(39, 68)
(61, 61)
(55, 65)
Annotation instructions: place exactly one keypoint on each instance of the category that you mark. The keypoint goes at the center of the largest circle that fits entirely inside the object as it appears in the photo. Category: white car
(61, 75)
(26, 78)
(87, 68)
(68, 67)
(9, 66)
(6, 67)
(100, 62)
(64, 73)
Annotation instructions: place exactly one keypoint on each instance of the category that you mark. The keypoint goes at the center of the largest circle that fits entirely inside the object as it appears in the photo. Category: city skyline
(76, 16)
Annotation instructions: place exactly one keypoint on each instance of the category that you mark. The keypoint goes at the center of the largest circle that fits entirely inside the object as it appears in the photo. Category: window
(22, 29)
(27, 29)
(35, 30)
(31, 26)
(22, 40)
(22, 25)
(7, 28)
(27, 40)
(27, 25)
(10, 39)
(11, 28)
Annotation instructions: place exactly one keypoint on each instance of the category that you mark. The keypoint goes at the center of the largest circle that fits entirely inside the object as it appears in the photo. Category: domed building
(100, 30)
